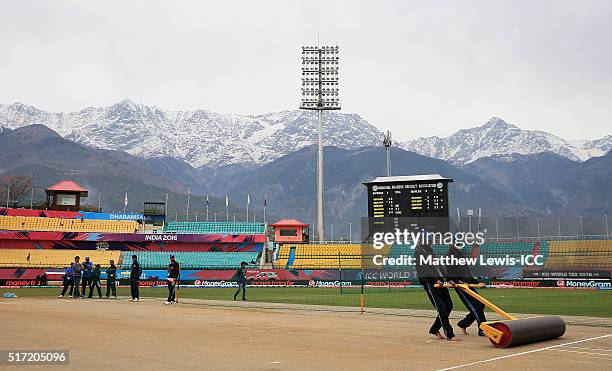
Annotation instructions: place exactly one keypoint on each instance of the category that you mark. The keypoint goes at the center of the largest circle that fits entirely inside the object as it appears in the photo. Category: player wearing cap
(174, 271)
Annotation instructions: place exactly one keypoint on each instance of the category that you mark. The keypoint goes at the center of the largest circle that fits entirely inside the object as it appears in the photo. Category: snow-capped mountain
(205, 138)
(497, 137)
(201, 138)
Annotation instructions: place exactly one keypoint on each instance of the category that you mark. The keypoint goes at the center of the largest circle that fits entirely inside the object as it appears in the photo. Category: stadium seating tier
(215, 228)
(23, 223)
(190, 260)
(51, 258)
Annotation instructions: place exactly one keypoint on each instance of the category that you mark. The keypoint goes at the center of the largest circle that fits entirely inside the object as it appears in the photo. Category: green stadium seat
(189, 259)
(215, 228)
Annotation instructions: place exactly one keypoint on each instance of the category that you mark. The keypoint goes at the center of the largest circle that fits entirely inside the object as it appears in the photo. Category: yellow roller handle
(466, 288)
(453, 285)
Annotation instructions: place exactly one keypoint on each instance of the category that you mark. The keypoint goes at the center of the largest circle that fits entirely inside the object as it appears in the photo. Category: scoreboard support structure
(414, 202)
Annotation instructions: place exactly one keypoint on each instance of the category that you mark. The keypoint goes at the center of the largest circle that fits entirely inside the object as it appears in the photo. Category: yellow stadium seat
(580, 254)
(327, 256)
(20, 223)
(51, 258)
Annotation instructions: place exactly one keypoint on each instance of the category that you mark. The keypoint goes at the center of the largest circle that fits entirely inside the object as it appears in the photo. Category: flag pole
(188, 199)
(264, 209)
(248, 203)
(166, 209)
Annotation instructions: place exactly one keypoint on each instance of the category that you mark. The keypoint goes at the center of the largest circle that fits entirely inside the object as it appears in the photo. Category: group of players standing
(79, 276)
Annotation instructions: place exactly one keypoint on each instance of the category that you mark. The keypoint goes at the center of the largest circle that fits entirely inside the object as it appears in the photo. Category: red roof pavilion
(290, 231)
(68, 186)
(65, 196)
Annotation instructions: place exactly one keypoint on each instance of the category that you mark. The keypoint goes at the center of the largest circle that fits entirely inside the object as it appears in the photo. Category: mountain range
(200, 138)
(538, 184)
(41, 153)
(210, 140)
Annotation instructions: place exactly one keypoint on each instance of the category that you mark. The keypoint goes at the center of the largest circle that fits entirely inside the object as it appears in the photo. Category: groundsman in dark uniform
(111, 279)
(428, 276)
(463, 274)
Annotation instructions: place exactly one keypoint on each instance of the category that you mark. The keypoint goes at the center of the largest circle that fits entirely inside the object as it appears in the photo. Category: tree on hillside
(14, 188)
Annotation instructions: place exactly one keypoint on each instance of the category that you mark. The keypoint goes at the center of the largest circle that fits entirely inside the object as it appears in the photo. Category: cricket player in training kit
(135, 273)
(95, 282)
(173, 279)
(68, 282)
(87, 275)
(111, 279)
(241, 279)
(463, 274)
(429, 275)
(77, 271)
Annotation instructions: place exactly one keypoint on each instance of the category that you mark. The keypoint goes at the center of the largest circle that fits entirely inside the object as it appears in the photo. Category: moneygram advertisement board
(322, 278)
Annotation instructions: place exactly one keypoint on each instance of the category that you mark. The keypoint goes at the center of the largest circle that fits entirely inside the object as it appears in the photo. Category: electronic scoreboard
(416, 202)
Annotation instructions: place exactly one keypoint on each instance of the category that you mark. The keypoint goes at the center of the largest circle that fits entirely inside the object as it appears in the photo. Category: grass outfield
(592, 303)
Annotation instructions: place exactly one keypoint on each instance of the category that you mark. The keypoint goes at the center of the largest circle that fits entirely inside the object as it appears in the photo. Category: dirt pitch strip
(107, 334)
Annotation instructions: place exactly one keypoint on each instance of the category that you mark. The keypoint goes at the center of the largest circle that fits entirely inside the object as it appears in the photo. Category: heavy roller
(513, 331)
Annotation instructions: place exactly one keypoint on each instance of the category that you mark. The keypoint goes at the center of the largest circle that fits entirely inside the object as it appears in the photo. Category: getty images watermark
(459, 240)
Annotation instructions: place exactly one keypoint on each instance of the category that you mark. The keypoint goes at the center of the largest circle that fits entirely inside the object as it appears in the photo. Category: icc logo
(440, 185)
(374, 188)
(102, 246)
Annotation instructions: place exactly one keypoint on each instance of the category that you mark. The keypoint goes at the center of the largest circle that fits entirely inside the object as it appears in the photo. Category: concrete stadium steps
(189, 260)
(215, 228)
(51, 258)
(24, 223)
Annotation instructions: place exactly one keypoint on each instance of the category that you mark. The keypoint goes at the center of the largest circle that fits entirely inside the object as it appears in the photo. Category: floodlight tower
(320, 93)
(387, 143)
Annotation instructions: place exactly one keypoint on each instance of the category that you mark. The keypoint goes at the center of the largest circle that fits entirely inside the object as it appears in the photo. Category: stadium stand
(215, 228)
(40, 213)
(19, 223)
(579, 254)
(322, 256)
(50, 258)
(511, 248)
(190, 260)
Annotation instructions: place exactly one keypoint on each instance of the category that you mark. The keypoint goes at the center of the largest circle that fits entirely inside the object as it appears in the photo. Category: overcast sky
(418, 68)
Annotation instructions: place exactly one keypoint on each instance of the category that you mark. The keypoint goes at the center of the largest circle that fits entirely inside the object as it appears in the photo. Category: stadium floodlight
(320, 92)
(387, 142)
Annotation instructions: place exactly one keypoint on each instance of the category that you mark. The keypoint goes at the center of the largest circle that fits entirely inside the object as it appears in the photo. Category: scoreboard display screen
(391, 199)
